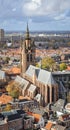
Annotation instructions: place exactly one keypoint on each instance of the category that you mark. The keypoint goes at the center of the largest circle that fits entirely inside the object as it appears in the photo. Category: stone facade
(48, 90)
(27, 52)
(15, 124)
(65, 120)
(4, 126)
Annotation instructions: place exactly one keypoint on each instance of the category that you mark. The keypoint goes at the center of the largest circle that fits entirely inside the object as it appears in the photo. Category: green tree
(63, 66)
(48, 63)
(14, 93)
(7, 60)
(37, 65)
(13, 90)
(8, 107)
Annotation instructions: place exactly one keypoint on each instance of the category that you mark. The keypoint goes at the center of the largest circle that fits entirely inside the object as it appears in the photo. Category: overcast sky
(40, 14)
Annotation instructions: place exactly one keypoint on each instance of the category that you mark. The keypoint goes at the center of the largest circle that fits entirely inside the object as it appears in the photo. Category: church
(41, 82)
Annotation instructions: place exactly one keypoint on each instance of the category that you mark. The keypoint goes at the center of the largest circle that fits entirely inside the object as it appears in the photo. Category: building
(27, 123)
(65, 120)
(63, 80)
(3, 125)
(1, 35)
(38, 120)
(32, 91)
(23, 84)
(43, 80)
(27, 52)
(58, 127)
(12, 120)
(45, 83)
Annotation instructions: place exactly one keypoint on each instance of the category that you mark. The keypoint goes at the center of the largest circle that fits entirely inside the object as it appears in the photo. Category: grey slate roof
(38, 97)
(2, 75)
(58, 106)
(61, 73)
(22, 82)
(32, 70)
(32, 88)
(60, 103)
(38, 111)
(42, 75)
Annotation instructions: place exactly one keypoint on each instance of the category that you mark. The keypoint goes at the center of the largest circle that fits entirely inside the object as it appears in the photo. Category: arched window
(53, 94)
(29, 57)
(48, 93)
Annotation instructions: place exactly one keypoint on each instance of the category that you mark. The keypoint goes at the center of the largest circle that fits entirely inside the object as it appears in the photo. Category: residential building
(63, 80)
(58, 127)
(65, 120)
(67, 107)
(38, 120)
(3, 125)
(15, 122)
(27, 122)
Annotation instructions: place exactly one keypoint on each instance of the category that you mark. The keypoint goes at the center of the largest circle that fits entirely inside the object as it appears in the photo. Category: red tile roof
(4, 99)
(68, 68)
(14, 70)
(65, 117)
(36, 116)
(49, 125)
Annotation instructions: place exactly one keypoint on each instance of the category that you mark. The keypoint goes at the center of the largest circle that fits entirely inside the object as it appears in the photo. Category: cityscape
(35, 65)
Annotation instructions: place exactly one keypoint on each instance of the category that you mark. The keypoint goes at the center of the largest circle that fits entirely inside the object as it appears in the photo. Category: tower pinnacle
(27, 33)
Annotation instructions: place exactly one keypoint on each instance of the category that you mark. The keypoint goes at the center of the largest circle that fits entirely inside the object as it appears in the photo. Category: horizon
(37, 31)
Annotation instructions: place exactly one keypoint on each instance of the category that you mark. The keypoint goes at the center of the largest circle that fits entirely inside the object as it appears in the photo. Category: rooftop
(32, 88)
(46, 79)
(21, 82)
(4, 99)
(49, 125)
(36, 116)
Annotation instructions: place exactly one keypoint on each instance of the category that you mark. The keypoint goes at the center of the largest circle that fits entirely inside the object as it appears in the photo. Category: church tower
(27, 52)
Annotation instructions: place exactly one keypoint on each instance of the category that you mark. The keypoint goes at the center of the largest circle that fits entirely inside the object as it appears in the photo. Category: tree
(15, 93)
(48, 63)
(8, 107)
(7, 59)
(13, 90)
(37, 65)
(63, 66)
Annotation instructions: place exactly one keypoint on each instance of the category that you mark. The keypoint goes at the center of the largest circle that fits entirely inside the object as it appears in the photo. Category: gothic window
(29, 57)
(48, 93)
(53, 94)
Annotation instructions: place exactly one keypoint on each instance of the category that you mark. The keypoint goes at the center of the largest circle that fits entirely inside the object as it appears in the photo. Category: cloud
(17, 12)
(14, 9)
(45, 7)
(32, 7)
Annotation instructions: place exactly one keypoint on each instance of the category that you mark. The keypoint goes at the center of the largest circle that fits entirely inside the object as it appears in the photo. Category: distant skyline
(41, 15)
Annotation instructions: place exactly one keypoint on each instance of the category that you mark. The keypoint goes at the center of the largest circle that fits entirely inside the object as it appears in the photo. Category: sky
(41, 15)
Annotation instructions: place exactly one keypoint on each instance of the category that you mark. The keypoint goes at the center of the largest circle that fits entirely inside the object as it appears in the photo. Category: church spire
(27, 33)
